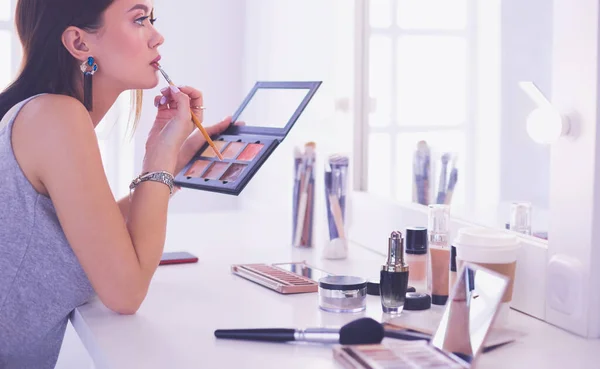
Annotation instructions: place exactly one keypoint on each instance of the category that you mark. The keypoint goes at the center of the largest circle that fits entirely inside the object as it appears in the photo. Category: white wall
(526, 55)
(203, 48)
(307, 40)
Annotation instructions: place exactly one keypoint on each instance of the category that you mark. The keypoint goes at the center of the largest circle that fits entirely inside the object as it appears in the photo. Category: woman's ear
(73, 39)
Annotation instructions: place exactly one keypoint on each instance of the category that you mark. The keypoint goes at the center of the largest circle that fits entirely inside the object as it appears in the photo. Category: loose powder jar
(342, 294)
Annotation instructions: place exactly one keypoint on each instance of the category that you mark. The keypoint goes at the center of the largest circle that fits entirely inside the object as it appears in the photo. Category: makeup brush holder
(336, 183)
(303, 199)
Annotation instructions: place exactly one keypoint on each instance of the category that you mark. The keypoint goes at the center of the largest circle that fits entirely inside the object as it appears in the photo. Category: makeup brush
(451, 182)
(443, 174)
(360, 331)
(194, 118)
(309, 156)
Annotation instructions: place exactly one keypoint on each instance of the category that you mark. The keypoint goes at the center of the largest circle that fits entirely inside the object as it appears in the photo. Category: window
(417, 83)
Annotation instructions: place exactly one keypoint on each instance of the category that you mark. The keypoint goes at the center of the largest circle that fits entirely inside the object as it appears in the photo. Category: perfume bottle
(393, 281)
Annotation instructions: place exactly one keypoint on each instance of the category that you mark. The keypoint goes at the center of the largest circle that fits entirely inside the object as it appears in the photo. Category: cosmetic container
(342, 294)
(393, 281)
(416, 257)
(439, 253)
(520, 217)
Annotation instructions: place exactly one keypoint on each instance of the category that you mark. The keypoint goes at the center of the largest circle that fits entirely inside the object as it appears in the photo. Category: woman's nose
(157, 40)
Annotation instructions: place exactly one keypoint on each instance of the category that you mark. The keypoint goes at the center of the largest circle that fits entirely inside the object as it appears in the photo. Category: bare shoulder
(52, 108)
(48, 130)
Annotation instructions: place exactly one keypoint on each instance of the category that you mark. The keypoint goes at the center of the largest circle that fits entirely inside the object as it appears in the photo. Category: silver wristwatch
(162, 176)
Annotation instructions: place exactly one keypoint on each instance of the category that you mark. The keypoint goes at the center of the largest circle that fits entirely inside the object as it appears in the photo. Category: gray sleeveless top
(41, 280)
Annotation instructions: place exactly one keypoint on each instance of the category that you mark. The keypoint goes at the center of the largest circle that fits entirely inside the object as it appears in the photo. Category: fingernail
(174, 89)
(155, 104)
(163, 100)
(182, 86)
(164, 89)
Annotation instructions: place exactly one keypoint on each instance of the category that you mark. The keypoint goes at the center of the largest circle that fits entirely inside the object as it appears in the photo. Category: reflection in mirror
(272, 107)
(470, 311)
(446, 117)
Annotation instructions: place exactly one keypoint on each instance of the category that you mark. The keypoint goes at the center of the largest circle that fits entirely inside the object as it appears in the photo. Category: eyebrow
(139, 6)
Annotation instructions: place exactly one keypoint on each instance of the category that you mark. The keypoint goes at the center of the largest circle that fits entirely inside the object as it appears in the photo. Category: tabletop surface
(174, 327)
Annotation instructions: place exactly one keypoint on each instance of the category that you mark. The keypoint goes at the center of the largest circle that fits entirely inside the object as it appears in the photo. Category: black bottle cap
(452, 258)
(417, 301)
(416, 241)
(439, 299)
(373, 288)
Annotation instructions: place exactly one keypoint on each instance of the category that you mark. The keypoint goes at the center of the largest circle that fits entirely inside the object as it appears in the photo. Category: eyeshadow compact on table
(268, 114)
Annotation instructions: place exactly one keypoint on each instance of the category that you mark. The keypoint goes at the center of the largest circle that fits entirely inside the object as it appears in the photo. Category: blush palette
(268, 113)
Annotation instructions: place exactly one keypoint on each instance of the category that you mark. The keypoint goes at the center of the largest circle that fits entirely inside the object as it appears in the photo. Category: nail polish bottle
(393, 281)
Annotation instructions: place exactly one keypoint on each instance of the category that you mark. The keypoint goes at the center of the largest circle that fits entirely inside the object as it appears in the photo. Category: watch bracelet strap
(160, 176)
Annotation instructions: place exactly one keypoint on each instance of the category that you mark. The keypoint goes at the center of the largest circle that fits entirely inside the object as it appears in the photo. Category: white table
(186, 303)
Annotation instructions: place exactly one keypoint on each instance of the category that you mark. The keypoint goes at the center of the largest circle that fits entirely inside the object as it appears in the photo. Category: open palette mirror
(268, 114)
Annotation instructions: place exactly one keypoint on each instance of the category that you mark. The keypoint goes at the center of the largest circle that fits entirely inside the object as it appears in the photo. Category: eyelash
(141, 20)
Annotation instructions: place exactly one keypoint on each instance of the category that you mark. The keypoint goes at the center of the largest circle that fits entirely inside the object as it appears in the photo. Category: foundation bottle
(416, 257)
(439, 253)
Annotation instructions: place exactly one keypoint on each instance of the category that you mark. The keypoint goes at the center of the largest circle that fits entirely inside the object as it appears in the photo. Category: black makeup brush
(360, 331)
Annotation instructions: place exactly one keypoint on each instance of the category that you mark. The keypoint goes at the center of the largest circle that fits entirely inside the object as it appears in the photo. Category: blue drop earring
(88, 68)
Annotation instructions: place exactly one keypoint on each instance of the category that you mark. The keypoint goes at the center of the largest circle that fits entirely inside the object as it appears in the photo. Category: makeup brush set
(424, 168)
(335, 186)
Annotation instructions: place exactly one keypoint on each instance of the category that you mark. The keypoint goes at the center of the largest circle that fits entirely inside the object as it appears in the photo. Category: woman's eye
(141, 20)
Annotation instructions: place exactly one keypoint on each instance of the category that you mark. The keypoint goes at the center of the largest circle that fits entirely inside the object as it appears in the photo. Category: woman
(63, 237)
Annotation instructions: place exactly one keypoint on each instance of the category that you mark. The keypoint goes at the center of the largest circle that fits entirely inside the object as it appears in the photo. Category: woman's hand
(194, 142)
(172, 126)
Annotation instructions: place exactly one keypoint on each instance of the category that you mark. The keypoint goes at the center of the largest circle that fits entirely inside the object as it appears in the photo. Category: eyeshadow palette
(268, 113)
(393, 354)
(285, 278)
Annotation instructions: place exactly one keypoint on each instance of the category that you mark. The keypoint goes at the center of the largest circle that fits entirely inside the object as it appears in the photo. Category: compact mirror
(470, 311)
(273, 107)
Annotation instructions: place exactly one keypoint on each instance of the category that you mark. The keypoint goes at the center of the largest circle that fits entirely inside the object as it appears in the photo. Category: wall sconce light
(545, 124)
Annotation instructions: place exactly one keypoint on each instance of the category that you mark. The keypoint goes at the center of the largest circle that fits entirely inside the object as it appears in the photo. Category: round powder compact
(342, 294)
(417, 301)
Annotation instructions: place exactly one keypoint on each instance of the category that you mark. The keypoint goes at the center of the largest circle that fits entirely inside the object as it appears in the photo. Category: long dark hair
(47, 66)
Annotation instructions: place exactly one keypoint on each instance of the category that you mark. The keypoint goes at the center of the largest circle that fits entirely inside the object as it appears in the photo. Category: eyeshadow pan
(250, 152)
(216, 170)
(233, 172)
(233, 150)
(197, 168)
(210, 153)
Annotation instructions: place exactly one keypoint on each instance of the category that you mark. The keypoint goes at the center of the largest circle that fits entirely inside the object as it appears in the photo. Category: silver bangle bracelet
(160, 176)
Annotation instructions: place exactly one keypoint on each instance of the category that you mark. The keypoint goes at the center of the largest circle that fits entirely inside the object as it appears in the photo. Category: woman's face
(127, 45)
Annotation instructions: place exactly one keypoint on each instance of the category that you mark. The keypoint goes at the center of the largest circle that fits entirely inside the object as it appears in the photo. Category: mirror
(272, 107)
(470, 311)
(446, 116)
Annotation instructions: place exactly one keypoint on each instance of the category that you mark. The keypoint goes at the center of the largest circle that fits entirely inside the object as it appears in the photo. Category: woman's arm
(118, 255)
(190, 147)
